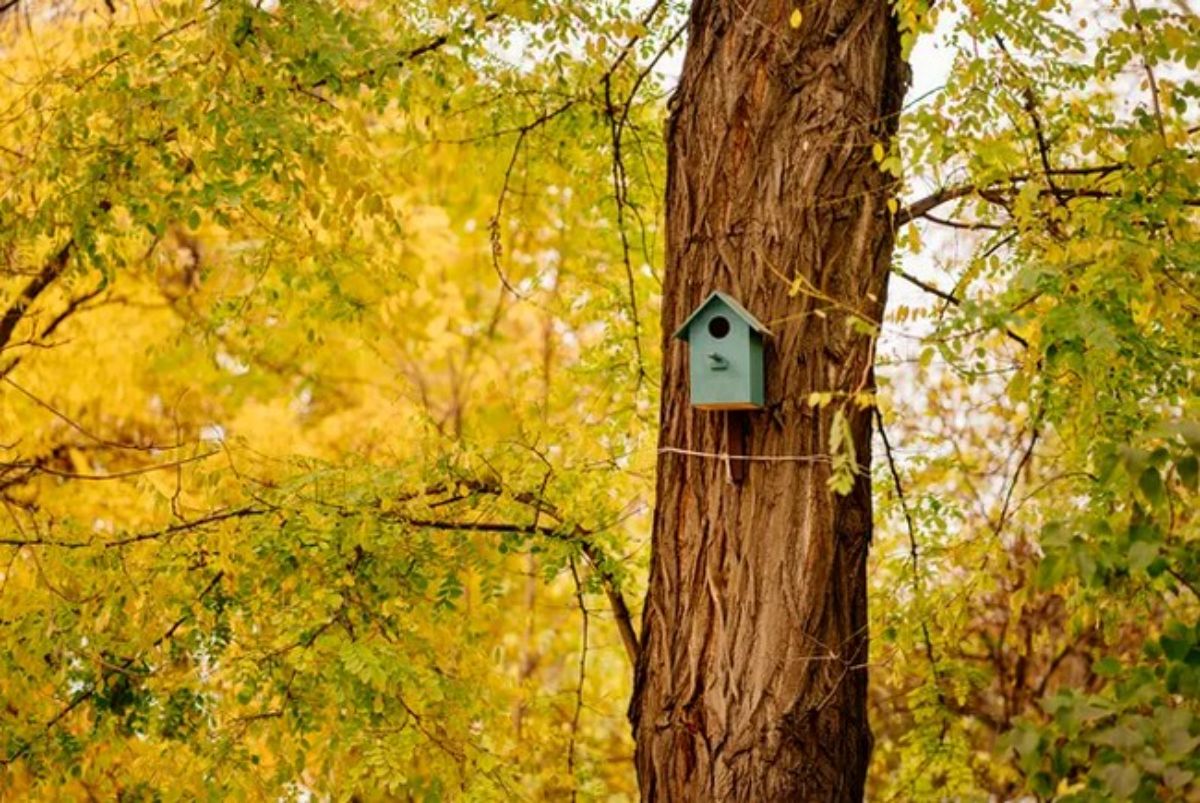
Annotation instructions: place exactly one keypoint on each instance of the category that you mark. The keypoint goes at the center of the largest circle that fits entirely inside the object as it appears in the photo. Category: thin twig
(1016, 478)
(951, 299)
(436, 43)
(583, 651)
(85, 695)
(620, 188)
(918, 585)
(75, 425)
(115, 475)
(1158, 113)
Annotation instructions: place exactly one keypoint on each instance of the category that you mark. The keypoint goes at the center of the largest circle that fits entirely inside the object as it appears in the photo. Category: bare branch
(926, 286)
(75, 425)
(620, 190)
(45, 277)
(115, 475)
(583, 651)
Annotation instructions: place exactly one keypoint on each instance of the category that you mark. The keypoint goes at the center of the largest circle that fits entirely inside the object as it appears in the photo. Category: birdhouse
(726, 355)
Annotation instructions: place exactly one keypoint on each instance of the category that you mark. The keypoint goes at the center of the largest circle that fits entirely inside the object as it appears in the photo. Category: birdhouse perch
(725, 344)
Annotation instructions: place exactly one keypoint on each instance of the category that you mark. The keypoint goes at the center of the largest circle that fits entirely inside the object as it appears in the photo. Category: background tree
(1044, 583)
(282, 451)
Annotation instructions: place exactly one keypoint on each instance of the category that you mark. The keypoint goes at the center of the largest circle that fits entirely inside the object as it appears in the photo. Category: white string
(781, 458)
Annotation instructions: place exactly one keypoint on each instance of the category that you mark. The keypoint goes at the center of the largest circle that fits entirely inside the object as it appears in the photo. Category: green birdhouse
(726, 355)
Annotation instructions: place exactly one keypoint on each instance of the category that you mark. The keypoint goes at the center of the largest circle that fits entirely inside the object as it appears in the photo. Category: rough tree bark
(751, 683)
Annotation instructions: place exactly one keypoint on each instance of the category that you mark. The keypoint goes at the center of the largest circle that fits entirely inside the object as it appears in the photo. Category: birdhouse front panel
(725, 344)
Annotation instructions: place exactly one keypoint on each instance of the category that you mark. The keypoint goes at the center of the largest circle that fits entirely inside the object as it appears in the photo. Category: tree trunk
(751, 683)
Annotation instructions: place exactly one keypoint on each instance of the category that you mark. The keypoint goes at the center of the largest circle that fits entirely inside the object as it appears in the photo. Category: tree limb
(36, 286)
(86, 694)
(575, 535)
(436, 43)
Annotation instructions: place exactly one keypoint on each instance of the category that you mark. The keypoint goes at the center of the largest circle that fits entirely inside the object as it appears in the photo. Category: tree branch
(926, 286)
(1141, 29)
(436, 43)
(1031, 108)
(951, 299)
(991, 192)
(583, 651)
(37, 285)
(575, 535)
(86, 694)
(918, 586)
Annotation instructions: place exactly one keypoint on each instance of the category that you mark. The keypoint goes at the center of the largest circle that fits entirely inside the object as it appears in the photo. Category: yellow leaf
(796, 18)
(893, 205)
(914, 239)
(877, 151)
(79, 463)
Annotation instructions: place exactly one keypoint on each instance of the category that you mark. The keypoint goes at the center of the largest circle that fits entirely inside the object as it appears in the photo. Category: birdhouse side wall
(758, 378)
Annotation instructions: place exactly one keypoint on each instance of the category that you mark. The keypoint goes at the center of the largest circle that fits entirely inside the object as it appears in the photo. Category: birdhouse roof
(734, 307)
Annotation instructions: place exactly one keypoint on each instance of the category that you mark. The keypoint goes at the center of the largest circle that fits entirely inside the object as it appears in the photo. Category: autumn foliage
(330, 350)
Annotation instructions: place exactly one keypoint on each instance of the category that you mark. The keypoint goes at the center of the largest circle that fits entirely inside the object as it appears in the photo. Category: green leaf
(1175, 649)
(1189, 472)
(1151, 484)
(1141, 554)
(1051, 570)
(1122, 779)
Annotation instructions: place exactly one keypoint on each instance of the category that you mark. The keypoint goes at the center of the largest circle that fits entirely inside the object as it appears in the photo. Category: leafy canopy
(328, 348)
